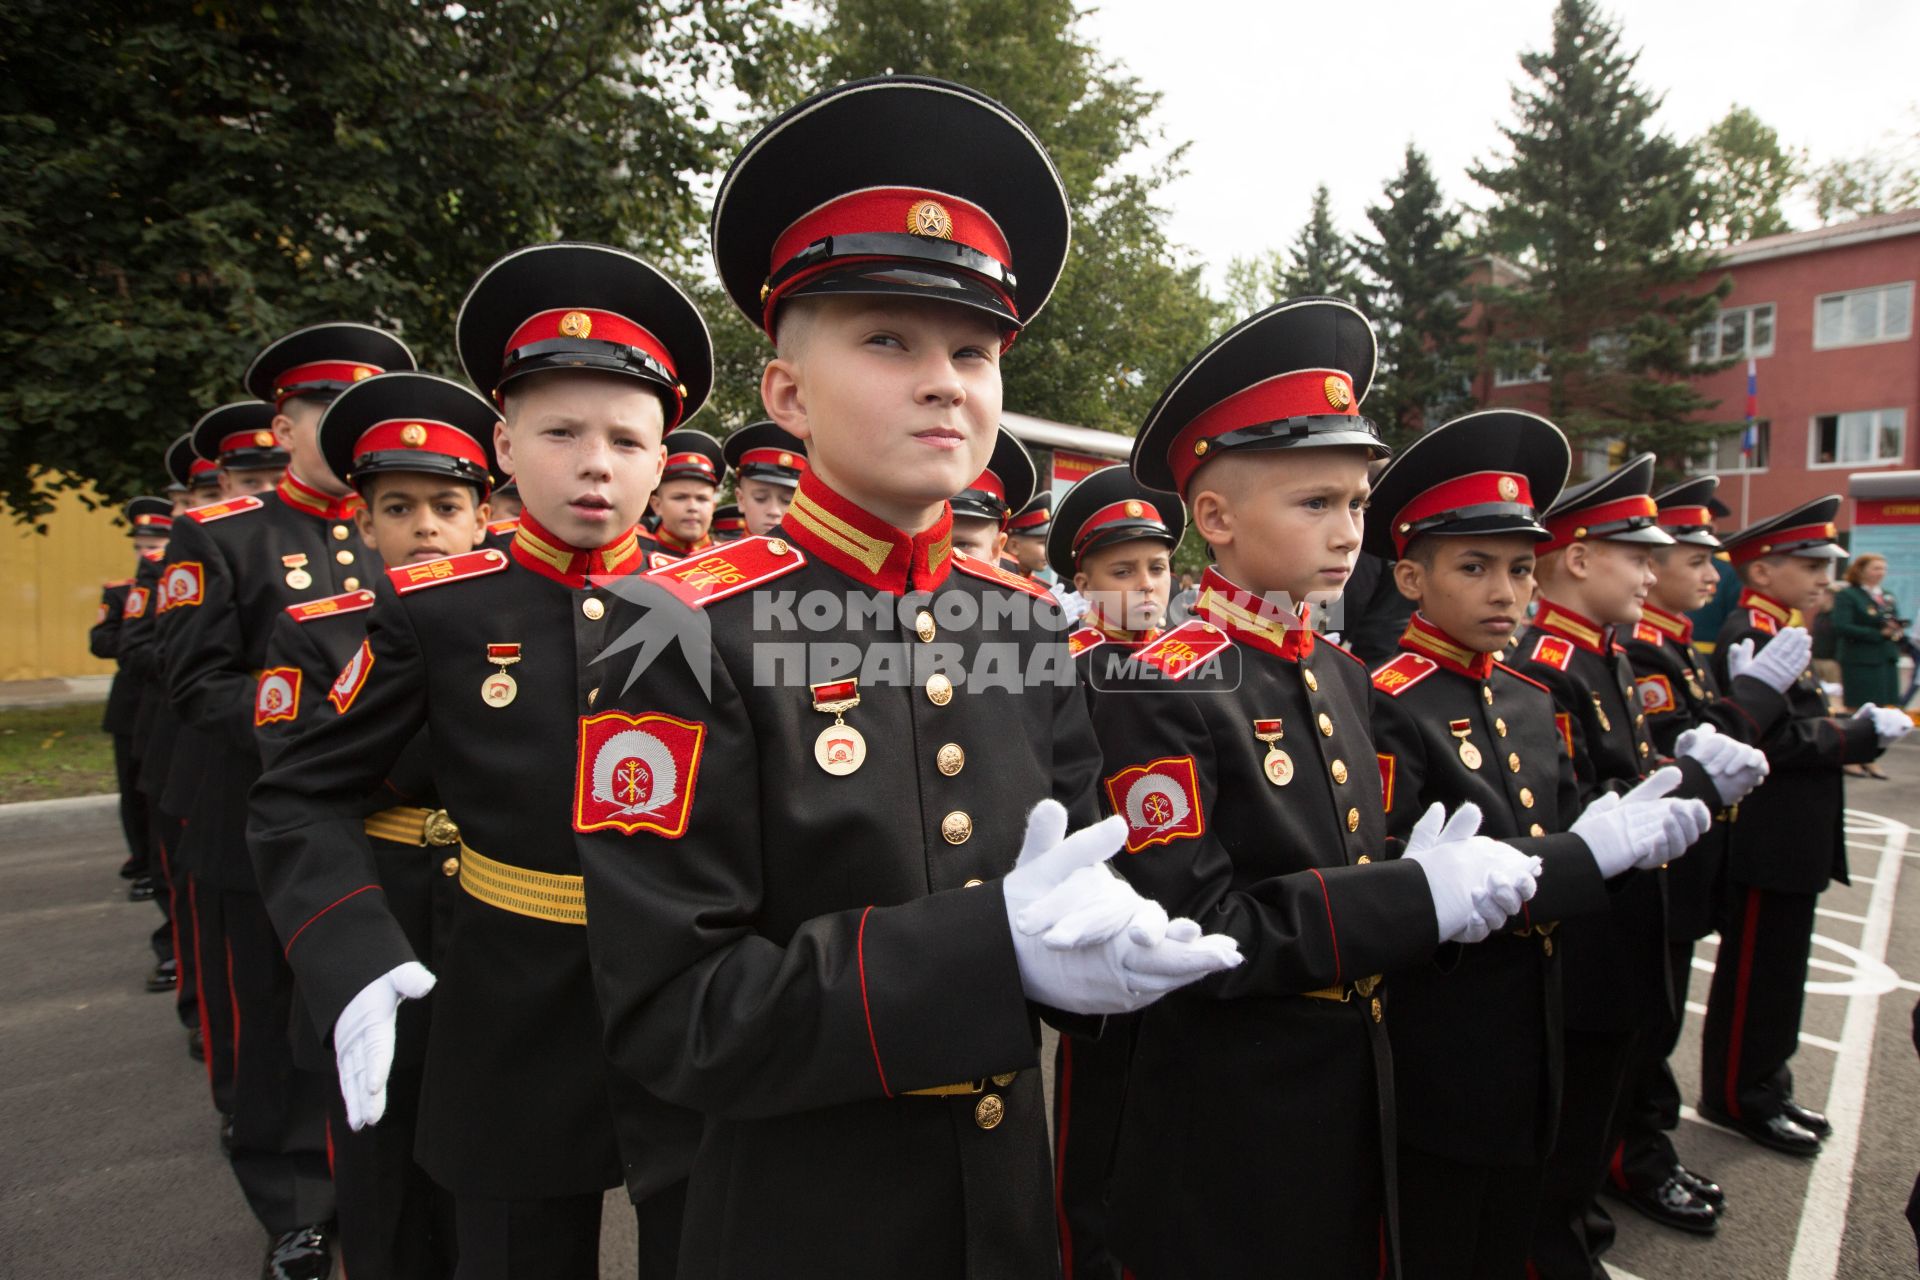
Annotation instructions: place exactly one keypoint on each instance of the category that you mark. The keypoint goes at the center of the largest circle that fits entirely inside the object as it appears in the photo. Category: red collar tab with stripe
(1119, 635)
(1671, 625)
(1252, 620)
(667, 542)
(865, 547)
(546, 555)
(1585, 633)
(1751, 599)
(1429, 641)
(307, 500)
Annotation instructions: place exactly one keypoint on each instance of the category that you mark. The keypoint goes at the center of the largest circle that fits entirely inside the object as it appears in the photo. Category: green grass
(49, 752)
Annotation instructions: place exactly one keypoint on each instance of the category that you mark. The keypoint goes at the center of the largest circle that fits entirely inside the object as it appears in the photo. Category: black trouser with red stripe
(1753, 1009)
(1643, 1156)
(213, 988)
(396, 1223)
(1089, 1087)
(1567, 1240)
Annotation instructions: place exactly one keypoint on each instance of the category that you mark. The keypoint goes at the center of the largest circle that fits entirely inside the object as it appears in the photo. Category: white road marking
(1823, 1215)
(1848, 916)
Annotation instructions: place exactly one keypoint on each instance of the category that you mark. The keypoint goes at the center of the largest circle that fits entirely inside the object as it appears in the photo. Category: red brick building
(1827, 316)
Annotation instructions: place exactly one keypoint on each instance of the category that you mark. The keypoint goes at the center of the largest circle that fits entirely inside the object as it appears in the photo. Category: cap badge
(1135, 510)
(413, 435)
(263, 439)
(1338, 394)
(786, 459)
(576, 324)
(1832, 531)
(361, 373)
(930, 218)
(1509, 489)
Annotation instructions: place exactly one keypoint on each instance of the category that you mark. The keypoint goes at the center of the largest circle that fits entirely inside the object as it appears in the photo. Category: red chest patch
(707, 576)
(1160, 801)
(1402, 673)
(352, 678)
(636, 773)
(277, 696)
(1554, 652)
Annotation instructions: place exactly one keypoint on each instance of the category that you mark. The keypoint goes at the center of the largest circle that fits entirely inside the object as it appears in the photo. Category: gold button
(973, 884)
(1486, 694)
(450, 867)
(923, 626)
(1513, 761)
(1526, 797)
(344, 556)
(1353, 819)
(592, 607)
(1339, 770)
(351, 584)
(1004, 1080)
(956, 827)
(1644, 748)
(1546, 945)
(1362, 860)
(1639, 719)
(1500, 726)
(1325, 722)
(950, 759)
(592, 695)
(1313, 682)
(939, 690)
(989, 1111)
(1209, 628)
(779, 546)
(339, 533)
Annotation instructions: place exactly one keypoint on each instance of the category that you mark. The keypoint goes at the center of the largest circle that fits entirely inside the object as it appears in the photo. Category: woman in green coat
(1867, 628)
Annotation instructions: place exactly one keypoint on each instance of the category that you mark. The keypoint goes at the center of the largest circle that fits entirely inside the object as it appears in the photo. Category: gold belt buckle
(1364, 987)
(440, 829)
(965, 1087)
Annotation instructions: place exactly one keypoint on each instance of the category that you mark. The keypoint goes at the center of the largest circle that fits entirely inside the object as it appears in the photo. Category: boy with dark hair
(767, 463)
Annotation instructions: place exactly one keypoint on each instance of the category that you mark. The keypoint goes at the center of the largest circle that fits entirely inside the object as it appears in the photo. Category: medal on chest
(1278, 766)
(840, 749)
(297, 576)
(1469, 754)
(500, 688)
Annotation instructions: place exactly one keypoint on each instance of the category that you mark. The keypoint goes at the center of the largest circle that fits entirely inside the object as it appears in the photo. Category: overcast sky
(1276, 96)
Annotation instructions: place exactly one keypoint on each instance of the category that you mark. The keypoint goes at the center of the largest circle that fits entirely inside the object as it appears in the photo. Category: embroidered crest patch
(352, 678)
(636, 773)
(277, 696)
(1160, 801)
(1656, 694)
(183, 586)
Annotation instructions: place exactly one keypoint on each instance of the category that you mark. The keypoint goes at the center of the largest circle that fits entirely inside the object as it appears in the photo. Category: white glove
(1643, 829)
(1085, 941)
(1889, 724)
(1734, 767)
(363, 1039)
(1779, 664)
(1474, 880)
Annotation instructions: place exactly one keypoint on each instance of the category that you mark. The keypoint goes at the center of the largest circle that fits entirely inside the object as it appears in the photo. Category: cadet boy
(593, 355)
(1113, 541)
(831, 953)
(419, 452)
(1788, 843)
(767, 464)
(981, 510)
(148, 520)
(1476, 1031)
(1027, 531)
(728, 524)
(1593, 573)
(1258, 1131)
(1678, 691)
(689, 487)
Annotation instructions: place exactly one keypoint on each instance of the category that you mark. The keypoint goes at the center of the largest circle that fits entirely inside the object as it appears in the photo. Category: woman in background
(1867, 633)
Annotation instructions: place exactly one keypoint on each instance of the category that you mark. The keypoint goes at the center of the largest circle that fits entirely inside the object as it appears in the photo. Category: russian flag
(1750, 438)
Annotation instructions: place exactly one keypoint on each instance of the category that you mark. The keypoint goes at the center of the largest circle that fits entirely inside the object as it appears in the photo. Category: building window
(1739, 334)
(1724, 456)
(1884, 314)
(1524, 362)
(1869, 438)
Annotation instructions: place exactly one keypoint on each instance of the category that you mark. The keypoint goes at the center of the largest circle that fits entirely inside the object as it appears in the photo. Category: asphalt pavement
(110, 1166)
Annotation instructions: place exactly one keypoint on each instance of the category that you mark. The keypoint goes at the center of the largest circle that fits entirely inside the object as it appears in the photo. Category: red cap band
(1479, 489)
(1782, 542)
(698, 461)
(1133, 509)
(771, 457)
(422, 434)
(1572, 526)
(1303, 393)
(1685, 517)
(248, 440)
(202, 467)
(143, 523)
(1030, 519)
(987, 482)
(318, 373)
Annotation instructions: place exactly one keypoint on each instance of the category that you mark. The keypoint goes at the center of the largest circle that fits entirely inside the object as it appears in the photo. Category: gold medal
(500, 688)
(1278, 766)
(1469, 754)
(840, 749)
(297, 576)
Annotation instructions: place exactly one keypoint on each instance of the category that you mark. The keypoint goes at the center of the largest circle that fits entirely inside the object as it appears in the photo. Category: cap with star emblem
(239, 437)
(573, 305)
(1688, 510)
(693, 455)
(1807, 530)
(1616, 507)
(1291, 377)
(1107, 508)
(728, 523)
(1003, 487)
(322, 360)
(412, 422)
(149, 517)
(1491, 472)
(189, 469)
(893, 186)
(765, 451)
(1034, 519)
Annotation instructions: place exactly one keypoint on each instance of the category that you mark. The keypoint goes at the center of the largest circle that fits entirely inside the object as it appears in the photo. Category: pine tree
(1417, 298)
(1321, 261)
(1597, 207)
(1747, 175)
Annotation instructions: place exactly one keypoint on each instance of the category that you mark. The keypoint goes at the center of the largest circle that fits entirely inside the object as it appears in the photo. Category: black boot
(1672, 1204)
(305, 1253)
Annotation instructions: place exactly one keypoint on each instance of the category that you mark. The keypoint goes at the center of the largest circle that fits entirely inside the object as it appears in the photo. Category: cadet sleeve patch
(1656, 694)
(100, 613)
(1563, 721)
(990, 572)
(352, 677)
(431, 573)
(350, 602)
(1761, 620)
(636, 773)
(1388, 764)
(1160, 801)
(1553, 652)
(1078, 642)
(1185, 648)
(1402, 673)
(183, 586)
(136, 603)
(277, 697)
(700, 580)
(221, 510)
